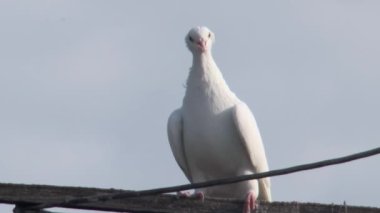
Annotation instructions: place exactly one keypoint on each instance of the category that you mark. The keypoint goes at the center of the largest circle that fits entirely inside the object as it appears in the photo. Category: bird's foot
(250, 203)
(183, 194)
(200, 196)
(187, 194)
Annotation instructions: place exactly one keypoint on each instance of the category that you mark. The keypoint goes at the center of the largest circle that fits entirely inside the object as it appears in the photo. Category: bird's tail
(264, 190)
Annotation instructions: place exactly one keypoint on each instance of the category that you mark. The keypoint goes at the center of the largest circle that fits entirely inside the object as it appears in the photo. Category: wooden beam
(25, 195)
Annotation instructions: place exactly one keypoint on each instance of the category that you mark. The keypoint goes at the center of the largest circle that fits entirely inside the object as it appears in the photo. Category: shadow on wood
(27, 195)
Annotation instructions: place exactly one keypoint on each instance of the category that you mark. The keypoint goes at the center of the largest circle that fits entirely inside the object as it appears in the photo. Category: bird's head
(199, 40)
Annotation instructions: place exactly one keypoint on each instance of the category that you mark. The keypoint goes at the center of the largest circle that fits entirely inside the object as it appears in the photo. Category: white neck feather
(205, 72)
(206, 84)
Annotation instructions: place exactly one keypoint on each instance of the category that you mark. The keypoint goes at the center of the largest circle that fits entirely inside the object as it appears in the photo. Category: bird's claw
(187, 194)
(250, 203)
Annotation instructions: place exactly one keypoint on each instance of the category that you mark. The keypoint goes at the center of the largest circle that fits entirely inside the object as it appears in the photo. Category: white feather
(214, 134)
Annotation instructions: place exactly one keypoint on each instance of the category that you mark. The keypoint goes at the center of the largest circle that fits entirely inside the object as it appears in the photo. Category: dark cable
(150, 192)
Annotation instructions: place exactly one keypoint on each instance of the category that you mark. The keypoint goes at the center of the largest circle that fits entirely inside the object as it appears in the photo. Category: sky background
(86, 88)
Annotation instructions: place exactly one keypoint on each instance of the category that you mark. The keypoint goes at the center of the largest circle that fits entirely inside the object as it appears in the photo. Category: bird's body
(214, 134)
(208, 134)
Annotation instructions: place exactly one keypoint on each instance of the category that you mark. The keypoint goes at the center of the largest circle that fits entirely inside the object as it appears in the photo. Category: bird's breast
(211, 143)
(212, 146)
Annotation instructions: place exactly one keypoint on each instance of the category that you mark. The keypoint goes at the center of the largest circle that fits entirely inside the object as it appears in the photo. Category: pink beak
(201, 44)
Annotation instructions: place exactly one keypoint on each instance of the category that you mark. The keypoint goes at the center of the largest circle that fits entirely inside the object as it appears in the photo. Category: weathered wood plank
(35, 194)
(25, 195)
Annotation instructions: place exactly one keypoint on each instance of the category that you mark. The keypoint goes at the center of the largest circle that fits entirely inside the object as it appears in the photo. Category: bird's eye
(191, 39)
(209, 35)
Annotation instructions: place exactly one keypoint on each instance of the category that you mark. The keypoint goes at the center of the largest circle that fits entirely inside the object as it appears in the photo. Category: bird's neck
(206, 84)
(204, 71)
(202, 60)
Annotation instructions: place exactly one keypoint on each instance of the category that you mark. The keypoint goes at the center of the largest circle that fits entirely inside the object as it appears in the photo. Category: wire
(151, 192)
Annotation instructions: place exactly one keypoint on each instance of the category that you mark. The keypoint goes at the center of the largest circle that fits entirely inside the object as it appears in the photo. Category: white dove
(214, 134)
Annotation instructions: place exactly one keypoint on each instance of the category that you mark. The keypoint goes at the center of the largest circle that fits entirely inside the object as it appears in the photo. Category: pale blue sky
(86, 88)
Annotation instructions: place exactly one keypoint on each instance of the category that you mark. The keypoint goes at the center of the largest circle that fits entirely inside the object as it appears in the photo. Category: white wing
(175, 135)
(250, 136)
